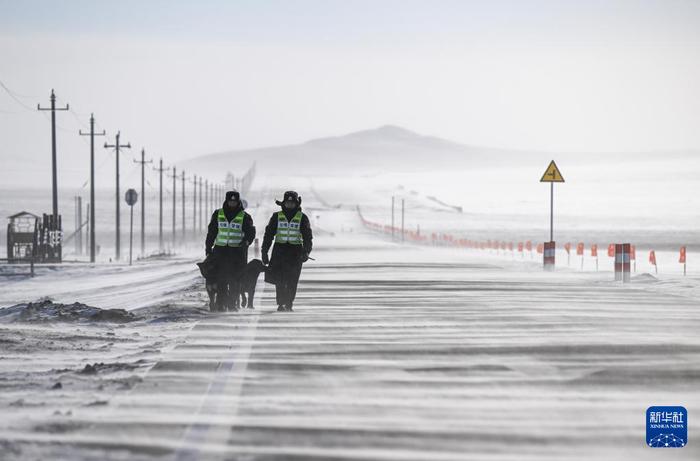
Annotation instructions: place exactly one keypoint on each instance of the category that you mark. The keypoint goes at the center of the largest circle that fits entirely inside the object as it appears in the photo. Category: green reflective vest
(229, 233)
(288, 232)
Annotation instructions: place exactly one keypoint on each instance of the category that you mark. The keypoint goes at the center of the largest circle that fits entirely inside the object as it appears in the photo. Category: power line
(12, 95)
(77, 119)
(25, 96)
(15, 96)
(99, 167)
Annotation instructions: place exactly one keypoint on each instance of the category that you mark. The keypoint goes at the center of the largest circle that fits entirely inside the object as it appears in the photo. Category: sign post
(551, 175)
(131, 198)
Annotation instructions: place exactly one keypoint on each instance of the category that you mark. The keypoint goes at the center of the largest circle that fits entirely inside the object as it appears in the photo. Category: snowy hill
(365, 152)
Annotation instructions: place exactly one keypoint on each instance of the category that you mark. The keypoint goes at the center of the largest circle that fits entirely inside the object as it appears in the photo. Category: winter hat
(289, 195)
(233, 195)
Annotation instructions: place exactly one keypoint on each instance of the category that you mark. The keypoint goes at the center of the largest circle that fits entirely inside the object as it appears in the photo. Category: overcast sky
(187, 78)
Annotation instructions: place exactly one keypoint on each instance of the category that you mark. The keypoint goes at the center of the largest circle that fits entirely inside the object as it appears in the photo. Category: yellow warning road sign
(552, 174)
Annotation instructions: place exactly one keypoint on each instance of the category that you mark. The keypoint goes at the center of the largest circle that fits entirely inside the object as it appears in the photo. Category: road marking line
(227, 382)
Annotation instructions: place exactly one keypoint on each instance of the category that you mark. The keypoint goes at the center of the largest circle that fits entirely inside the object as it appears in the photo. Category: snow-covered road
(392, 353)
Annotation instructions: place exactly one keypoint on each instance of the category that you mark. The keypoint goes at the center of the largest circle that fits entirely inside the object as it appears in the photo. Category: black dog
(249, 280)
(208, 270)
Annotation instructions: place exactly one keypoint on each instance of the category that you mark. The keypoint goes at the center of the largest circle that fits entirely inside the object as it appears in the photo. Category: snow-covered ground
(394, 352)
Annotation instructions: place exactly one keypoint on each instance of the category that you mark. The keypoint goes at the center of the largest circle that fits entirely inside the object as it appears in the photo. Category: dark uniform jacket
(284, 252)
(248, 229)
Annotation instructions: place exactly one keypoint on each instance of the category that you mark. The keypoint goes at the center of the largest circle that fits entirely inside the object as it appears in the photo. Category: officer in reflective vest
(291, 231)
(230, 232)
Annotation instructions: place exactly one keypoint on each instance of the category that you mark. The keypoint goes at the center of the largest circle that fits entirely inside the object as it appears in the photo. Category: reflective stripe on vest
(229, 233)
(288, 232)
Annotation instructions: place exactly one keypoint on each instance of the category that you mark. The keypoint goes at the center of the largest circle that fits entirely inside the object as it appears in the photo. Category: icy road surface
(393, 353)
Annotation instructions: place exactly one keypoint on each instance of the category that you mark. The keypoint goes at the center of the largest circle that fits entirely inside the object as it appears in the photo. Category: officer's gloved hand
(305, 257)
(265, 259)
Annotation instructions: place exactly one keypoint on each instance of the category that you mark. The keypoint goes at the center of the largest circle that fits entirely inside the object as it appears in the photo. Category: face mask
(289, 204)
(233, 203)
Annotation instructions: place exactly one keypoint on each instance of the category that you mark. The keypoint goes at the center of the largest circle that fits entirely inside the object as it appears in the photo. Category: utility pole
(78, 225)
(116, 147)
(88, 238)
(92, 135)
(551, 212)
(174, 176)
(184, 234)
(199, 216)
(143, 163)
(392, 218)
(54, 175)
(207, 199)
(194, 207)
(160, 170)
(402, 219)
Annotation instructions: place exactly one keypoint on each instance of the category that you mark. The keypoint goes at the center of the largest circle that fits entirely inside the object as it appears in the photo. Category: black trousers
(286, 288)
(230, 263)
(286, 263)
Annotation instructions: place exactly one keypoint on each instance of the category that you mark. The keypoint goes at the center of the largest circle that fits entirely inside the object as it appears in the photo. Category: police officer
(230, 232)
(293, 242)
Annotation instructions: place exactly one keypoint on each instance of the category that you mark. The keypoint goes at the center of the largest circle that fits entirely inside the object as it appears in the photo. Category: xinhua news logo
(667, 427)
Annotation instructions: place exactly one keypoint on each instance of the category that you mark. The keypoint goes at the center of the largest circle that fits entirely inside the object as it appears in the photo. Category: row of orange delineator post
(624, 253)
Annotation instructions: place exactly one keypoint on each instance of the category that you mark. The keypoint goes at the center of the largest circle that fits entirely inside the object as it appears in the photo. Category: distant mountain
(388, 148)
(388, 135)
